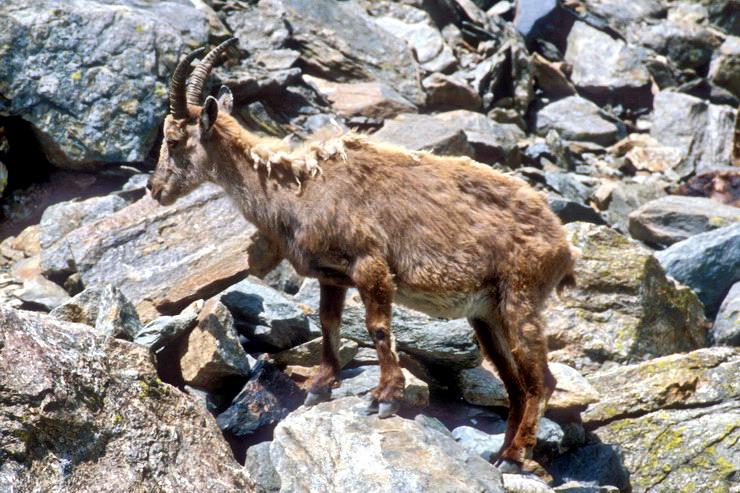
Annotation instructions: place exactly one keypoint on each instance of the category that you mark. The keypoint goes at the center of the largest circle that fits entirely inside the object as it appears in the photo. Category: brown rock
(309, 353)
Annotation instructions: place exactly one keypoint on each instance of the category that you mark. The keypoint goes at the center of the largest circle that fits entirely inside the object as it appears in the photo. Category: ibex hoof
(314, 398)
(388, 409)
(508, 466)
(372, 408)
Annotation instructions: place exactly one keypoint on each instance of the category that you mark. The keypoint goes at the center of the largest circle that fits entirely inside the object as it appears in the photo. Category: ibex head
(184, 160)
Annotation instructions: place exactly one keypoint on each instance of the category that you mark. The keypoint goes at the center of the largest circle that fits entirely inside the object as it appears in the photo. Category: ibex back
(447, 236)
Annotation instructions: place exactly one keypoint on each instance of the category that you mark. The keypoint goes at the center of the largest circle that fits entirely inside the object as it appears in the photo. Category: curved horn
(200, 74)
(178, 107)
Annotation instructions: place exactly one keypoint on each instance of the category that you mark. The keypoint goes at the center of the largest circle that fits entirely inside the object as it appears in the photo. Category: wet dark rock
(570, 211)
(707, 263)
(425, 133)
(575, 118)
(726, 330)
(267, 398)
(675, 218)
(103, 307)
(266, 315)
(92, 78)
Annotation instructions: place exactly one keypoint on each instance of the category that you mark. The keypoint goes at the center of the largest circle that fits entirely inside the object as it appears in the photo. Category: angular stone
(424, 39)
(164, 258)
(362, 380)
(697, 379)
(309, 353)
(480, 442)
(624, 308)
(446, 91)
(645, 153)
(550, 77)
(575, 118)
(572, 390)
(720, 185)
(268, 397)
(259, 465)
(570, 211)
(68, 423)
(691, 449)
(425, 133)
(91, 63)
(493, 142)
(369, 99)
(689, 45)
(103, 307)
(481, 387)
(212, 353)
(624, 197)
(724, 70)
(604, 67)
(266, 315)
(284, 278)
(674, 218)
(39, 292)
(707, 263)
(337, 41)
(334, 445)
(703, 133)
(163, 330)
(726, 330)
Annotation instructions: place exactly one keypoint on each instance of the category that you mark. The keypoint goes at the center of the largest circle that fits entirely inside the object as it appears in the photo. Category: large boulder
(83, 412)
(674, 218)
(702, 132)
(334, 447)
(368, 99)
(163, 258)
(707, 262)
(575, 118)
(338, 41)
(624, 309)
(92, 78)
(425, 133)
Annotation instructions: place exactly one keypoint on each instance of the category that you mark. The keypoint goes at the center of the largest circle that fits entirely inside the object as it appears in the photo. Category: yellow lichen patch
(139, 29)
(77, 75)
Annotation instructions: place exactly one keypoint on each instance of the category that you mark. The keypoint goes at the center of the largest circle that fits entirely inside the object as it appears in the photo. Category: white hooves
(508, 466)
(388, 409)
(314, 398)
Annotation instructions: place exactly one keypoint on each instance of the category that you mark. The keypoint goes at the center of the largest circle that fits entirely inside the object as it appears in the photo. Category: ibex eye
(172, 143)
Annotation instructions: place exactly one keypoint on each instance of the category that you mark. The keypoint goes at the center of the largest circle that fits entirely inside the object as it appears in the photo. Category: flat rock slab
(624, 308)
(334, 447)
(425, 133)
(575, 118)
(83, 412)
(163, 258)
(92, 78)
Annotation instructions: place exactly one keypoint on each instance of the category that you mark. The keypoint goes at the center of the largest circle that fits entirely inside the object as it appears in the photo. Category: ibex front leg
(330, 313)
(376, 289)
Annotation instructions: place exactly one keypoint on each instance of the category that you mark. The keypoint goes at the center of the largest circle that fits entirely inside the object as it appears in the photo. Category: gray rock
(84, 413)
(724, 70)
(268, 397)
(570, 211)
(726, 329)
(623, 15)
(624, 308)
(702, 132)
(103, 307)
(266, 315)
(425, 133)
(211, 353)
(574, 186)
(598, 464)
(480, 442)
(337, 41)
(368, 99)
(309, 353)
(284, 278)
(606, 68)
(435, 342)
(575, 118)
(447, 91)
(362, 380)
(707, 263)
(689, 45)
(163, 330)
(259, 465)
(579, 487)
(480, 387)
(92, 78)
(674, 449)
(674, 218)
(40, 292)
(334, 446)
(628, 195)
(519, 483)
(685, 380)
(164, 258)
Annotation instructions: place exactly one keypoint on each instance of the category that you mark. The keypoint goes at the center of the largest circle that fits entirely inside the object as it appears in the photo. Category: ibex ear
(226, 99)
(208, 115)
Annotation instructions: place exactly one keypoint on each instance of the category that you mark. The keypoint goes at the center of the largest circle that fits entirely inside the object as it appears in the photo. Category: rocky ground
(150, 348)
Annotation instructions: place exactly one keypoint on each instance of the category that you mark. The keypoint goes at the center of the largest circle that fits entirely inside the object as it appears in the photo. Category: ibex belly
(445, 305)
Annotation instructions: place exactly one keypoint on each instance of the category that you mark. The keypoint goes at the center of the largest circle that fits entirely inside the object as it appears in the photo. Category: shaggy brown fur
(443, 235)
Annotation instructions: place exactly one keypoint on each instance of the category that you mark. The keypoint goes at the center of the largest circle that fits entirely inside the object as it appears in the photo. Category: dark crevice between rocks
(34, 183)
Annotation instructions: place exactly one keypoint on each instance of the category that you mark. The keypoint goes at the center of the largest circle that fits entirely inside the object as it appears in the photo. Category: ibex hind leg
(329, 373)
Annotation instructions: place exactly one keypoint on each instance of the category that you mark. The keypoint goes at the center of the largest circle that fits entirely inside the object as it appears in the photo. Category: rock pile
(176, 345)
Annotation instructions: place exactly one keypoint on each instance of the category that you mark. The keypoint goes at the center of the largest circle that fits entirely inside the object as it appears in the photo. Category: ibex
(443, 235)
